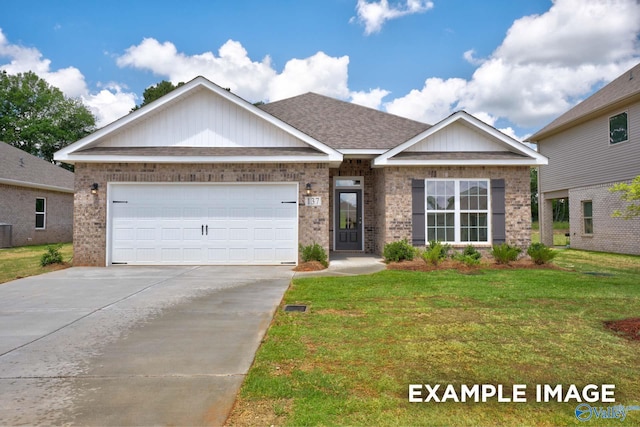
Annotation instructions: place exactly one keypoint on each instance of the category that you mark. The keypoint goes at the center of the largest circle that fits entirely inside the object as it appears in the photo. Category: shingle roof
(27, 170)
(619, 90)
(343, 125)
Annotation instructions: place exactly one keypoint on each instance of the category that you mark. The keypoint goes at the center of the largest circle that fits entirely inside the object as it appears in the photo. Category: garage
(202, 223)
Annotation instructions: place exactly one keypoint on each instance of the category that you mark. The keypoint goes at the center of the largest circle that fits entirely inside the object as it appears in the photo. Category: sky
(515, 64)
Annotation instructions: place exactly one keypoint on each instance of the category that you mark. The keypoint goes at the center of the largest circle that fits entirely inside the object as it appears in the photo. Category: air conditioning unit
(5, 235)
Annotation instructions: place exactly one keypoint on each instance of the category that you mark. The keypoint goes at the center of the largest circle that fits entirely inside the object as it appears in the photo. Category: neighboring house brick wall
(19, 207)
(397, 205)
(90, 210)
(609, 234)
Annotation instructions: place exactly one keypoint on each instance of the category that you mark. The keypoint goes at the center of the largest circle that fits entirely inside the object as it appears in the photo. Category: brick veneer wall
(396, 185)
(609, 234)
(18, 208)
(90, 215)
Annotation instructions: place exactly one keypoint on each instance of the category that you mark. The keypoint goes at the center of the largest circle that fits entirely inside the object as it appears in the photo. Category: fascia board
(26, 184)
(479, 162)
(203, 159)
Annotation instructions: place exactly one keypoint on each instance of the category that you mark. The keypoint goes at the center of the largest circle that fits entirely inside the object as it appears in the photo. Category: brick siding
(90, 217)
(18, 208)
(609, 234)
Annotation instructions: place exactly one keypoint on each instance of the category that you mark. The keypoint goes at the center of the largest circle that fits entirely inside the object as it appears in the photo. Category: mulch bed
(309, 266)
(628, 328)
(418, 264)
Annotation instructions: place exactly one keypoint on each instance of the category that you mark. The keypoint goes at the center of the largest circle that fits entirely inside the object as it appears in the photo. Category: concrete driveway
(132, 345)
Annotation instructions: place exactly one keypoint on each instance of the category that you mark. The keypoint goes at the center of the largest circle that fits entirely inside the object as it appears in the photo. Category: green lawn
(559, 230)
(24, 261)
(351, 358)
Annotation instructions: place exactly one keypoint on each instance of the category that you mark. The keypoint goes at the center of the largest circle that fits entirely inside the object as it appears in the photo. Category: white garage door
(203, 223)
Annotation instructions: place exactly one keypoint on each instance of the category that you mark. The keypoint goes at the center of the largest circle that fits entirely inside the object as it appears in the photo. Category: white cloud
(374, 15)
(545, 65)
(234, 68)
(371, 99)
(107, 105)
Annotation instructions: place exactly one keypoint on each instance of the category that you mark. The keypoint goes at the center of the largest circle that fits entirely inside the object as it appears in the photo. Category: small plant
(541, 253)
(436, 252)
(398, 251)
(52, 256)
(469, 256)
(505, 253)
(314, 252)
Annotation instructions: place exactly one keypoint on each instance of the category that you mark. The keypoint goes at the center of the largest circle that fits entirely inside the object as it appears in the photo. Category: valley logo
(585, 412)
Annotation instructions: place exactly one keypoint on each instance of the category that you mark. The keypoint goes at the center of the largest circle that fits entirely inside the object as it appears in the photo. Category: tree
(38, 118)
(631, 194)
(156, 91)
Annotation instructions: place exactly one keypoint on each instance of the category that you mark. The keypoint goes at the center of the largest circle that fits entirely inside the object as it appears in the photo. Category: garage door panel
(203, 224)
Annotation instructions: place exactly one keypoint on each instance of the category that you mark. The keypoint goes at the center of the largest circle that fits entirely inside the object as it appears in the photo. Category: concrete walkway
(132, 345)
(348, 264)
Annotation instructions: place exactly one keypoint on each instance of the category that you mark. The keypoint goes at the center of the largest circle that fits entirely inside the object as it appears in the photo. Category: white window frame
(585, 218)
(457, 211)
(43, 213)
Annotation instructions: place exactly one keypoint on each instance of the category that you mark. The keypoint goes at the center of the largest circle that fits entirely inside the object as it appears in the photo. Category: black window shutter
(417, 212)
(499, 233)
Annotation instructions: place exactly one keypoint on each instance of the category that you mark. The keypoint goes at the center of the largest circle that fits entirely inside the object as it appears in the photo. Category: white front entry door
(160, 223)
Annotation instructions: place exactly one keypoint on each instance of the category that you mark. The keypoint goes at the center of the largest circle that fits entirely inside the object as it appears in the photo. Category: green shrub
(541, 253)
(505, 253)
(398, 251)
(436, 252)
(469, 256)
(314, 252)
(52, 256)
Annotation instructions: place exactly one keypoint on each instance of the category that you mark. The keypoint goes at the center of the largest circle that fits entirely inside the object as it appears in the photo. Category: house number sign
(313, 201)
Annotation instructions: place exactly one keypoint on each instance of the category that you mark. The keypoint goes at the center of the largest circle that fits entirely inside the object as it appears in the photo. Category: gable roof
(22, 169)
(345, 126)
(90, 148)
(620, 91)
(480, 144)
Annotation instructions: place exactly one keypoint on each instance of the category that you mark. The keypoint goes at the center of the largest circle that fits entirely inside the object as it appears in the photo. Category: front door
(348, 220)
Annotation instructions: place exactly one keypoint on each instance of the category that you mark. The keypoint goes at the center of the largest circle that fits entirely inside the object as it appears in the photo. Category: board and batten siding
(582, 156)
(203, 119)
(456, 137)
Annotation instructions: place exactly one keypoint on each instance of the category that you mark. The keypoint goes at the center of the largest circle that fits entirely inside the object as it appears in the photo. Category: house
(36, 200)
(200, 176)
(592, 146)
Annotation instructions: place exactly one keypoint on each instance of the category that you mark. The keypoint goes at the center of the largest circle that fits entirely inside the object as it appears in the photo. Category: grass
(559, 230)
(24, 261)
(350, 359)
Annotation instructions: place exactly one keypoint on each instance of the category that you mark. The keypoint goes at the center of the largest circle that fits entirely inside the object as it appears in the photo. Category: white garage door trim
(242, 223)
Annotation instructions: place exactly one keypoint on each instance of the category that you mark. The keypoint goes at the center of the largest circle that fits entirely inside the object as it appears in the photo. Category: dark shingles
(343, 125)
(18, 165)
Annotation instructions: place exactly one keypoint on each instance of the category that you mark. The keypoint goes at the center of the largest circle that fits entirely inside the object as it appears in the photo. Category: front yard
(24, 261)
(350, 359)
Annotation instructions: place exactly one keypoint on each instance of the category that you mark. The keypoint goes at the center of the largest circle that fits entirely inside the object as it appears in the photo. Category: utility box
(5, 235)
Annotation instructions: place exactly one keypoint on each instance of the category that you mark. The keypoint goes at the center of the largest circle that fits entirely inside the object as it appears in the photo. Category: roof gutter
(26, 184)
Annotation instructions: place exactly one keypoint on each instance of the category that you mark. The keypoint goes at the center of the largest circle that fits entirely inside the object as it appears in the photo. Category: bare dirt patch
(263, 412)
(310, 266)
(628, 328)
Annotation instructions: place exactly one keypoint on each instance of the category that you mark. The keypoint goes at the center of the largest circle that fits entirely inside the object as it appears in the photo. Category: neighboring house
(591, 147)
(36, 200)
(201, 176)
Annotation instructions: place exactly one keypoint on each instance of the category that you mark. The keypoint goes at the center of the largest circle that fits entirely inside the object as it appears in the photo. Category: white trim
(110, 185)
(457, 231)
(334, 211)
(534, 158)
(17, 183)
(43, 213)
(334, 161)
(65, 154)
(362, 151)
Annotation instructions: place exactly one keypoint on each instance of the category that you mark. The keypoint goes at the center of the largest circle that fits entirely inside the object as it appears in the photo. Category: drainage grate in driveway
(291, 307)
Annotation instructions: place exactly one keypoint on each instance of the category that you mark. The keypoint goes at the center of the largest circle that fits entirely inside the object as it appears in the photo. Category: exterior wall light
(308, 189)
(94, 188)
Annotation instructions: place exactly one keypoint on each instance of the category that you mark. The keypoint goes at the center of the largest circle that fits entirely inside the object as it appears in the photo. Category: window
(41, 213)
(587, 217)
(457, 211)
(618, 128)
